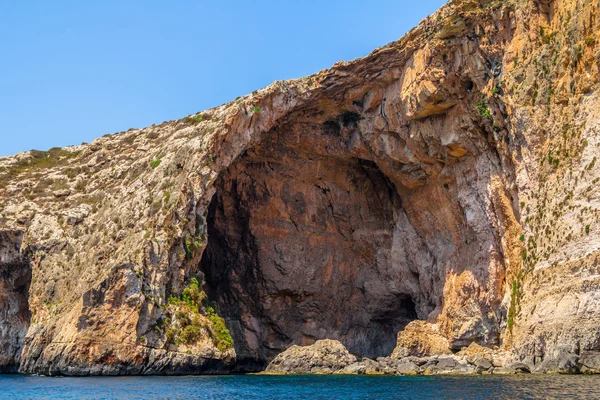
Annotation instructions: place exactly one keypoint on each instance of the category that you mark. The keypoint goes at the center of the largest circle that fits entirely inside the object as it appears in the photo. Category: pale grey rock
(590, 362)
(483, 364)
(512, 369)
(367, 366)
(323, 357)
(563, 363)
(78, 214)
(405, 367)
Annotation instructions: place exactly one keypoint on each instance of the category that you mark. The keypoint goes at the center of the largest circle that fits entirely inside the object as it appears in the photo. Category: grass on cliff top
(196, 119)
(188, 316)
(39, 160)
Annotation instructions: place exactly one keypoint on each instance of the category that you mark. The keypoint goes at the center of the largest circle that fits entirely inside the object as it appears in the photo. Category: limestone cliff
(445, 183)
(15, 276)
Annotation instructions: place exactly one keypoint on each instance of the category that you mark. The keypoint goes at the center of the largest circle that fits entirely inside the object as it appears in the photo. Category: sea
(302, 387)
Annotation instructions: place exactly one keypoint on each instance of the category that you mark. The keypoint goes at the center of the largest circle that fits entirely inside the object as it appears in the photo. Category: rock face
(420, 339)
(331, 357)
(590, 361)
(323, 357)
(443, 187)
(15, 278)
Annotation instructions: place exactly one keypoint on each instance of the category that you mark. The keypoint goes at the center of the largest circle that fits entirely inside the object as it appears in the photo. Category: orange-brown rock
(449, 177)
(421, 339)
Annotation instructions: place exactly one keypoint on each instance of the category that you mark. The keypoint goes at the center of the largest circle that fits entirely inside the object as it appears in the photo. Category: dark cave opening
(300, 250)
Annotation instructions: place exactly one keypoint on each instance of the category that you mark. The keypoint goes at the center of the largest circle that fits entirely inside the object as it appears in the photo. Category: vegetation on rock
(190, 317)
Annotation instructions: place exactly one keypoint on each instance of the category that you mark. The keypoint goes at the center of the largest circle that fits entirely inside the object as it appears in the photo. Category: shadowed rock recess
(438, 194)
(15, 278)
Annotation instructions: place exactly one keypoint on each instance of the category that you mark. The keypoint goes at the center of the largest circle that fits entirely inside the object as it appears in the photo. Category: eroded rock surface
(323, 357)
(420, 338)
(15, 278)
(444, 187)
(331, 357)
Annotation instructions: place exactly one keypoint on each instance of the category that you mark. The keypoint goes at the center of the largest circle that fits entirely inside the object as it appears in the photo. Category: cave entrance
(301, 249)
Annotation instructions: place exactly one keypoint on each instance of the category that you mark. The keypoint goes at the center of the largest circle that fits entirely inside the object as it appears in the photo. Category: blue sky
(74, 70)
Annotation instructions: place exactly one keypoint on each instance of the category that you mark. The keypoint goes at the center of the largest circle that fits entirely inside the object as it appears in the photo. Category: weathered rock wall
(448, 178)
(307, 247)
(333, 229)
(15, 278)
(348, 222)
(551, 81)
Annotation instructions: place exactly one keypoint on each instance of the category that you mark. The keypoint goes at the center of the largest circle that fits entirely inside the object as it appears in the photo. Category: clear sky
(74, 70)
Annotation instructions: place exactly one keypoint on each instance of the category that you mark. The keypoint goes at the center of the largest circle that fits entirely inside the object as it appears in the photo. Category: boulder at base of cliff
(512, 369)
(323, 357)
(590, 362)
(485, 358)
(564, 363)
(404, 366)
(366, 366)
(420, 339)
(447, 366)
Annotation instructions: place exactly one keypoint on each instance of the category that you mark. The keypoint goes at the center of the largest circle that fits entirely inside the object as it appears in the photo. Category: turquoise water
(301, 387)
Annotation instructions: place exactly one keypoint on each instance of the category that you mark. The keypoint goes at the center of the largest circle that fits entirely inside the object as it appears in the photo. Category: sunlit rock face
(309, 238)
(439, 192)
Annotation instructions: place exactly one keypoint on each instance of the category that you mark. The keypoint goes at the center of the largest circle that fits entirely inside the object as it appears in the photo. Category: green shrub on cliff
(220, 334)
(172, 334)
(483, 109)
(192, 332)
(196, 119)
(154, 164)
(512, 311)
(192, 244)
(192, 295)
(187, 326)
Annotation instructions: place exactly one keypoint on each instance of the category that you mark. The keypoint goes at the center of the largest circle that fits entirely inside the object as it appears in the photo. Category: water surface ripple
(301, 387)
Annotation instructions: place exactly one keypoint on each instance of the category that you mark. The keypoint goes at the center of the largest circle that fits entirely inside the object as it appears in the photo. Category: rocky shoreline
(330, 357)
(327, 357)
